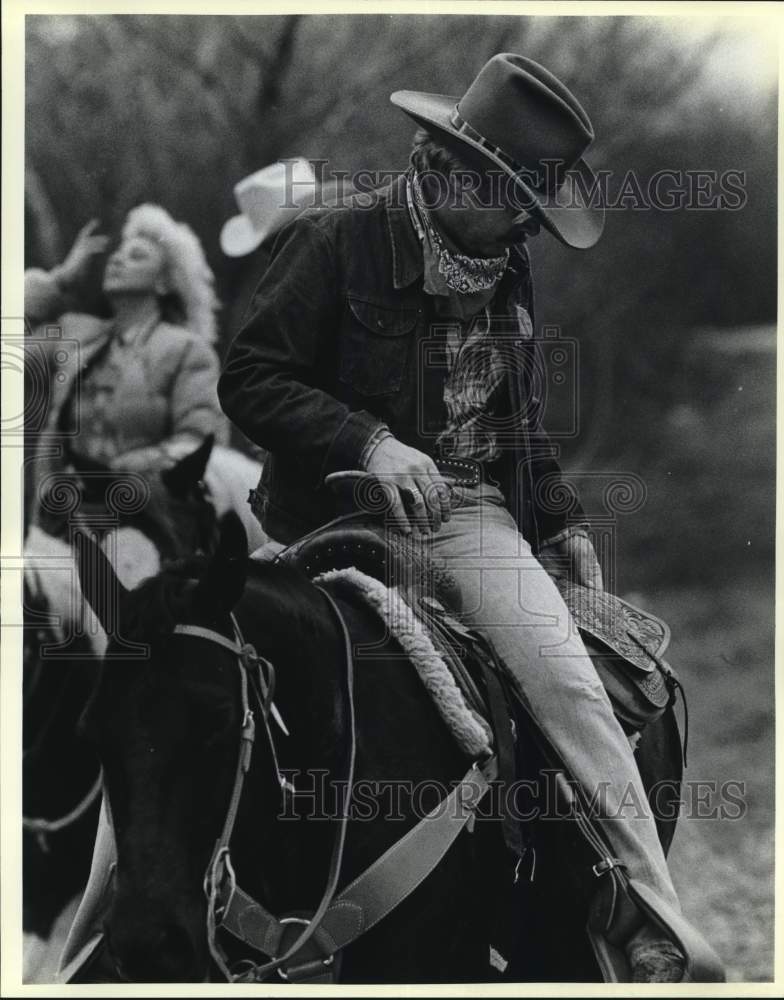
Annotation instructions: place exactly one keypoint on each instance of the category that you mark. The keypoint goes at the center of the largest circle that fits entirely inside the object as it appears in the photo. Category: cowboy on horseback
(394, 335)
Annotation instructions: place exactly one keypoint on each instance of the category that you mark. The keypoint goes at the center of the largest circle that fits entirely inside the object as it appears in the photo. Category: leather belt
(462, 471)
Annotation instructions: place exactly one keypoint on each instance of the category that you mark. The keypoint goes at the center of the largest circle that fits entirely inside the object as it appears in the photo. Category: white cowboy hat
(268, 200)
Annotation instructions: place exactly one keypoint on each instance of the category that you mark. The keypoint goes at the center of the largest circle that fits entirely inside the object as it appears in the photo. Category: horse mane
(291, 601)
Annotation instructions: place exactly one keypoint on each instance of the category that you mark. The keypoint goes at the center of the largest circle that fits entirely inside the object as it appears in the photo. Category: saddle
(626, 644)
(358, 540)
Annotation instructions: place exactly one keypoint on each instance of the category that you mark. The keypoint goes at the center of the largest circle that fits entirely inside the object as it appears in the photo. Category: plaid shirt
(476, 370)
(475, 365)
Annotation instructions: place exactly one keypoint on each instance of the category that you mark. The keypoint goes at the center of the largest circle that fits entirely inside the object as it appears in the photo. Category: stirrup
(620, 908)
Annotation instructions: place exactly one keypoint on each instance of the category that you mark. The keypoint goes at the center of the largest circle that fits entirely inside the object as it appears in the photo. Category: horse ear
(223, 582)
(100, 585)
(184, 474)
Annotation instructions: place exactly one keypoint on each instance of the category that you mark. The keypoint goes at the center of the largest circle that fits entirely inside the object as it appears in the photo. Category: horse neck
(400, 737)
(288, 622)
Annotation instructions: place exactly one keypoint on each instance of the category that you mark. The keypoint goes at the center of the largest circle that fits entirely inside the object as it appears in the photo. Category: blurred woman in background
(134, 391)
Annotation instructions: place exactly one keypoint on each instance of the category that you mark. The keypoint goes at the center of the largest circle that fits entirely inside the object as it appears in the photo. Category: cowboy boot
(637, 937)
(654, 958)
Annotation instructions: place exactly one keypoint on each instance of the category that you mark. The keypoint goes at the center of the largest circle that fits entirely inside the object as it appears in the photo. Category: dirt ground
(723, 867)
(709, 529)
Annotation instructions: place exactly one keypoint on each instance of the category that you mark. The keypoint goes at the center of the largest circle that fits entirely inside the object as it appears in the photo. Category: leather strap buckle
(606, 865)
(313, 968)
(306, 970)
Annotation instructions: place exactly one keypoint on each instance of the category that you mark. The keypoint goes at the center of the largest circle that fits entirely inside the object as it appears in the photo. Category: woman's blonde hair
(190, 276)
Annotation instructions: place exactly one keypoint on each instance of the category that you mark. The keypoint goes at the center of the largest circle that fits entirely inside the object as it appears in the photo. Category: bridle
(43, 828)
(338, 920)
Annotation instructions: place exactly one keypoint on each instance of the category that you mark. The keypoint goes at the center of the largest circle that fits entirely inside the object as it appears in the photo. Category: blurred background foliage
(673, 312)
(177, 109)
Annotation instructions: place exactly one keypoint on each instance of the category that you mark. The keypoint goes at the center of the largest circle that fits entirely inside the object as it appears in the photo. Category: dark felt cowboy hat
(522, 119)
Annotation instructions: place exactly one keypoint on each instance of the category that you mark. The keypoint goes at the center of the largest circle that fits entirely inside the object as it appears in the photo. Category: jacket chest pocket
(375, 346)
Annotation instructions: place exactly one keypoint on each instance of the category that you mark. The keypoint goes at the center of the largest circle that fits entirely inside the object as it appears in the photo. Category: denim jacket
(340, 337)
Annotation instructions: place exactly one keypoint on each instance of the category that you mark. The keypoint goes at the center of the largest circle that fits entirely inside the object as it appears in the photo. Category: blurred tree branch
(43, 212)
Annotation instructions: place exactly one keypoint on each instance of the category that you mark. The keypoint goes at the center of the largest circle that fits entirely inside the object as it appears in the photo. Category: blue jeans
(509, 597)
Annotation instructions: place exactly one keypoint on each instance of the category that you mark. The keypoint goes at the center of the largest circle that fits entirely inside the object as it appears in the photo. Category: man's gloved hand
(571, 554)
(421, 500)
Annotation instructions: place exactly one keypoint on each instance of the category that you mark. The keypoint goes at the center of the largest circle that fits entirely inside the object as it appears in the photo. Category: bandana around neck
(463, 274)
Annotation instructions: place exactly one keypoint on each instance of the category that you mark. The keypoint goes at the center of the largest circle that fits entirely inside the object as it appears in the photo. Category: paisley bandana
(463, 274)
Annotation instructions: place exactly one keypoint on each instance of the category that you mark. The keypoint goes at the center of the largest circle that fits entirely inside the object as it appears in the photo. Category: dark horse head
(167, 730)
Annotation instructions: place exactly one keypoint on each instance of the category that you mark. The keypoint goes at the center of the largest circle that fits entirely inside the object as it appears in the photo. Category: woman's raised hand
(87, 245)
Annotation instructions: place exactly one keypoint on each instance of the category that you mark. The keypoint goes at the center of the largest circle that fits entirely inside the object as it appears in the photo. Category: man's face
(483, 217)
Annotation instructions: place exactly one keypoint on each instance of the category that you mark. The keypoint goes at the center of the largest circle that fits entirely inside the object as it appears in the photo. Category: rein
(338, 920)
(42, 828)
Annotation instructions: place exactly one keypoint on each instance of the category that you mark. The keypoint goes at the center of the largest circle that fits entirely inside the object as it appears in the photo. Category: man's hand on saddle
(418, 493)
(87, 245)
(573, 557)
(420, 501)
